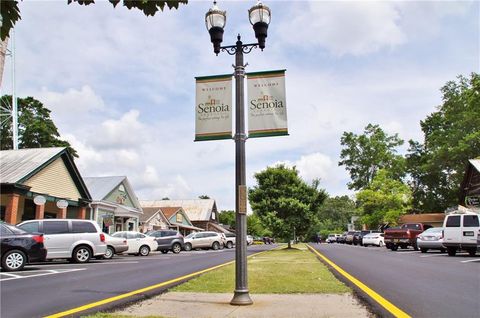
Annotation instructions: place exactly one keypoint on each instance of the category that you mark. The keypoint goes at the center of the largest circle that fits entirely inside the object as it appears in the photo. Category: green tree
(255, 226)
(204, 197)
(363, 155)
(227, 217)
(384, 200)
(284, 202)
(10, 11)
(451, 137)
(35, 127)
(336, 213)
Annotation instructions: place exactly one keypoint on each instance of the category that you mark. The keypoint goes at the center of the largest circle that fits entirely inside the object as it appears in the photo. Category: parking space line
(471, 260)
(433, 255)
(394, 310)
(11, 275)
(48, 272)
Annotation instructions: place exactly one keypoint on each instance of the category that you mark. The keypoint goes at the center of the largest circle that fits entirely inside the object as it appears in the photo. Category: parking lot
(429, 284)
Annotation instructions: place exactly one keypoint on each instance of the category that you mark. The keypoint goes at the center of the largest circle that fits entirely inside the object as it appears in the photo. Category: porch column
(62, 213)
(82, 212)
(40, 211)
(11, 210)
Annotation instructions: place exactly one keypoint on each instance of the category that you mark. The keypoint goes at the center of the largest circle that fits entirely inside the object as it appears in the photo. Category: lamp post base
(241, 298)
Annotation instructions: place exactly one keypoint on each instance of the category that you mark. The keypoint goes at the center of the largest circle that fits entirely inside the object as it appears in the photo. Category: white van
(461, 229)
(75, 239)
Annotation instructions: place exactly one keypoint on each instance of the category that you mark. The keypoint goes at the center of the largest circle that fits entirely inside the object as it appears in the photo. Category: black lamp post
(215, 19)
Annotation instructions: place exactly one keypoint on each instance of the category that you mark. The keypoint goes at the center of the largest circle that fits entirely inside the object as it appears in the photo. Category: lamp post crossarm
(232, 49)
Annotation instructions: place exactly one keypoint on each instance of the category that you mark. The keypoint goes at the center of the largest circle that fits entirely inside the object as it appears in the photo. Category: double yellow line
(394, 310)
(139, 291)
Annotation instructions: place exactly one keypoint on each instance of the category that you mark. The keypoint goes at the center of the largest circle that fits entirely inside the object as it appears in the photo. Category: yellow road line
(394, 310)
(139, 291)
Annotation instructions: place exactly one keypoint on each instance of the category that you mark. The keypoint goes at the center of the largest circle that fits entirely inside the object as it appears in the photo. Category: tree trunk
(3, 52)
(289, 244)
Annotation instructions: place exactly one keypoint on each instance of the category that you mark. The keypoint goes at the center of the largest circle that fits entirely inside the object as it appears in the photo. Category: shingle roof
(100, 187)
(148, 213)
(196, 210)
(17, 164)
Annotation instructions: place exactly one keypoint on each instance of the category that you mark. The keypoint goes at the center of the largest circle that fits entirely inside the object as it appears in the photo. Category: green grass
(283, 271)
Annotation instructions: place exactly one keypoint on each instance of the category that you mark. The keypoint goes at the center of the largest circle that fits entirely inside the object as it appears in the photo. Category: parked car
(211, 240)
(168, 240)
(431, 239)
(331, 238)
(341, 238)
(249, 240)
(19, 247)
(115, 245)
(404, 236)
(78, 240)
(138, 243)
(230, 240)
(373, 239)
(460, 232)
(358, 236)
(349, 237)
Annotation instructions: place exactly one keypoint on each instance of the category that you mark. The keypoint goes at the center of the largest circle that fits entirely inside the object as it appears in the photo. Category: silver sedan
(431, 239)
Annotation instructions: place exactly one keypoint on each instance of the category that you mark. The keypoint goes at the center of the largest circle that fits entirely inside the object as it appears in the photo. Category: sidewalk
(207, 305)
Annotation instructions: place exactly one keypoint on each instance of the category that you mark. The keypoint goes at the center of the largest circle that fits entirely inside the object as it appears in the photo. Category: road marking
(471, 260)
(394, 310)
(47, 272)
(141, 290)
(433, 255)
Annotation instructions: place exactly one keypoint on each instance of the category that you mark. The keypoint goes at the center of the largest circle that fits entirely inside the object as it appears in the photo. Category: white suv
(78, 240)
(211, 240)
(460, 232)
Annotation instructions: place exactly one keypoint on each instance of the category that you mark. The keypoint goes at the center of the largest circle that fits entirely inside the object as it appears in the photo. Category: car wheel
(81, 254)
(109, 253)
(144, 250)
(380, 243)
(452, 251)
(176, 248)
(164, 251)
(415, 246)
(423, 250)
(472, 251)
(394, 247)
(188, 247)
(215, 246)
(229, 244)
(14, 260)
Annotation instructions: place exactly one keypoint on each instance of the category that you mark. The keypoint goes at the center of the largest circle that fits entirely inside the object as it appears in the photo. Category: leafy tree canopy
(451, 137)
(336, 213)
(204, 197)
(284, 202)
(11, 13)
(227, 217)
(363, 155)
(384, 200)
(35, 127)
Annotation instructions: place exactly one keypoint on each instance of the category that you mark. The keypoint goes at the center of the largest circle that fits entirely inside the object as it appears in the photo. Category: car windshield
(190, 235)
(434, 230)
(15, 229)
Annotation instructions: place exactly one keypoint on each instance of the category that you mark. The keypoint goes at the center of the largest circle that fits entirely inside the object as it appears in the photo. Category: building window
(179, 218)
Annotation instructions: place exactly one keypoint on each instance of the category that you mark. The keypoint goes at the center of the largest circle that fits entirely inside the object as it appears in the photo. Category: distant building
(114, 205)
(433, 219)
(41, 183)
(202, 213)
(167, 218)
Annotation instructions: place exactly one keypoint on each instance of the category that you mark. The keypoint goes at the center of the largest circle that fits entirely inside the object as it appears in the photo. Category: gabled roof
(101, 187)
(17, 166)
(170, 211)
(149, 213)
(475, 163)
(196, 210)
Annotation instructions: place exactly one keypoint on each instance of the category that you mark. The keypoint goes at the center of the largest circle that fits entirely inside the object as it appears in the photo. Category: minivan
(74, 239)
(460, 231)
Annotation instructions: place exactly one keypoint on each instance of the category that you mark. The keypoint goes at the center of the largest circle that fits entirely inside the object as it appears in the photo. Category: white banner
(267, 107)
(213, 110)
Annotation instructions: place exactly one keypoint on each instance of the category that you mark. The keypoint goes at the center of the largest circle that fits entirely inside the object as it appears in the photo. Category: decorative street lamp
(215, 20)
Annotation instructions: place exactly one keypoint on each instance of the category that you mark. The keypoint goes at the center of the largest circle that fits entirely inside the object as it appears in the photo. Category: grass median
(279, 271)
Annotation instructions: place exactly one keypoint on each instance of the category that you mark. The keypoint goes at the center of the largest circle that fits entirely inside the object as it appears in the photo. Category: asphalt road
(422, 285)
(45, 289)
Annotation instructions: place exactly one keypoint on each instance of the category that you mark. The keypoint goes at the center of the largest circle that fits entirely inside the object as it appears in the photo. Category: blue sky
(121, 85)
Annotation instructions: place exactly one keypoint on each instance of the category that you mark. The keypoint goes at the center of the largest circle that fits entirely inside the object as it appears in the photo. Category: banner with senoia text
(267, 107)
(213, 110)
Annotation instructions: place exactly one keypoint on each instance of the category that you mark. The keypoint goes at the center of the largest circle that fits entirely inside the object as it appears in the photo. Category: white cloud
(315, 166)
(72, 101)
(353, 27)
